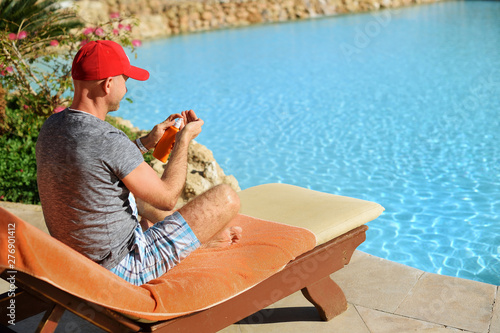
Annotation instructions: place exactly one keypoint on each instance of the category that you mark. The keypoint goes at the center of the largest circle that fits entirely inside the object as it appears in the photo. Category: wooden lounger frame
(309, 273)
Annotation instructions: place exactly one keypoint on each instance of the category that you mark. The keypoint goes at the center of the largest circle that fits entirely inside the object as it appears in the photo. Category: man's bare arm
(163, 193)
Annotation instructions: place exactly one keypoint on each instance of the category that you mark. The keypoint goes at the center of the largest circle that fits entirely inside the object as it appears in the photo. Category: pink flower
(116, 32)
(114, 15)
(12, 36)
(83, 42)
(9, 69)
(136, 43)
(120, 26)
(54, 43)
(25, 107)
(2, 197)
(22, 35)
(88, 30)
(128, 27)
(2, 70)
(59, 108)
(99, 32)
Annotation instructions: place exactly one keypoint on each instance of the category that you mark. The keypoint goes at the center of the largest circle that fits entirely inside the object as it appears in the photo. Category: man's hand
(191, 127)
(151, 140)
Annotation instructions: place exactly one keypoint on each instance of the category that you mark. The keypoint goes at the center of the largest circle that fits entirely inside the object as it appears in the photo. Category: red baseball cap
(101, 59)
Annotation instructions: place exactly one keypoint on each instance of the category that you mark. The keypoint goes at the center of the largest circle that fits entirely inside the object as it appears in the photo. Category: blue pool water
(398, 107)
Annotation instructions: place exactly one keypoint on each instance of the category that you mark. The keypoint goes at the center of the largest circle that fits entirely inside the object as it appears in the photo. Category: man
(87, 170)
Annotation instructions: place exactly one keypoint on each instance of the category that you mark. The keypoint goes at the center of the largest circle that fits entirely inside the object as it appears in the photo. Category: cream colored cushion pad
(326, 215)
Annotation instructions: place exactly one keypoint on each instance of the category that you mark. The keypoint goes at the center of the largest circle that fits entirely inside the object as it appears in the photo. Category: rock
(254, 16)
(231, 20)
(152, 25)
(126, 123)
(195, 185)
(194, 16)
(242, 14)
(210, 173)
(207, 16)
(93, 11)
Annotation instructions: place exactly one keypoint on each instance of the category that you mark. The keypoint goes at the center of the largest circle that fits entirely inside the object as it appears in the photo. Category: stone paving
(383, 297)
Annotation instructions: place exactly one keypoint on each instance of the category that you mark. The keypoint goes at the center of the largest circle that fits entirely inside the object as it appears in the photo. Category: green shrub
(17, 156)
(18, 170)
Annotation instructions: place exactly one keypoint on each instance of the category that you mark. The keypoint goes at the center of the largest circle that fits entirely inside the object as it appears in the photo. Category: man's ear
(106, 85)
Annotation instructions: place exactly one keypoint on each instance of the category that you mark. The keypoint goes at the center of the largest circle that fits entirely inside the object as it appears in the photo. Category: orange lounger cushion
(206, 278)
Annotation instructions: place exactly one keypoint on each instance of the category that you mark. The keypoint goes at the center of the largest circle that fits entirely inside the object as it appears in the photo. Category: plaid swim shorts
(157, 250)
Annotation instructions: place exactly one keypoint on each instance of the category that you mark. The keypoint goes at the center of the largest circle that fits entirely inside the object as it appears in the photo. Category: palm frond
(16, 15)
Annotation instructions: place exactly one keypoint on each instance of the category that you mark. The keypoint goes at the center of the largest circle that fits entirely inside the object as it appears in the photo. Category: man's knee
(230, 197)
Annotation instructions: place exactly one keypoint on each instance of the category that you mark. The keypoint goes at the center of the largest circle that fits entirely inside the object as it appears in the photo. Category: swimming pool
(399, 107)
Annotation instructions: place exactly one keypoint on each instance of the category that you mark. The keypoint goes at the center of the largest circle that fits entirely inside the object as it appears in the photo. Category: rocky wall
(160, 18)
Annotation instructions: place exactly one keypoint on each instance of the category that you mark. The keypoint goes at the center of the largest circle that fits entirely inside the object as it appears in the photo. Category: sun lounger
(294, 239)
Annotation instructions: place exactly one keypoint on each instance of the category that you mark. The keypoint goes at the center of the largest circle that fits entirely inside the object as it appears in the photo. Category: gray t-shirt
(80, 163)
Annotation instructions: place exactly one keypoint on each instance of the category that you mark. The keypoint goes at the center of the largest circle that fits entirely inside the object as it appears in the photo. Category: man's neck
(91, 108)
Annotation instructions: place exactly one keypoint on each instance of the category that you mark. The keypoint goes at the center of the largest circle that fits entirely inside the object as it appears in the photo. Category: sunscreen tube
(166, 143)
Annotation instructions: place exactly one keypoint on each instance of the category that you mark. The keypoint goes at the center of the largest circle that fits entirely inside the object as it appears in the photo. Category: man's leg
(208, 215)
